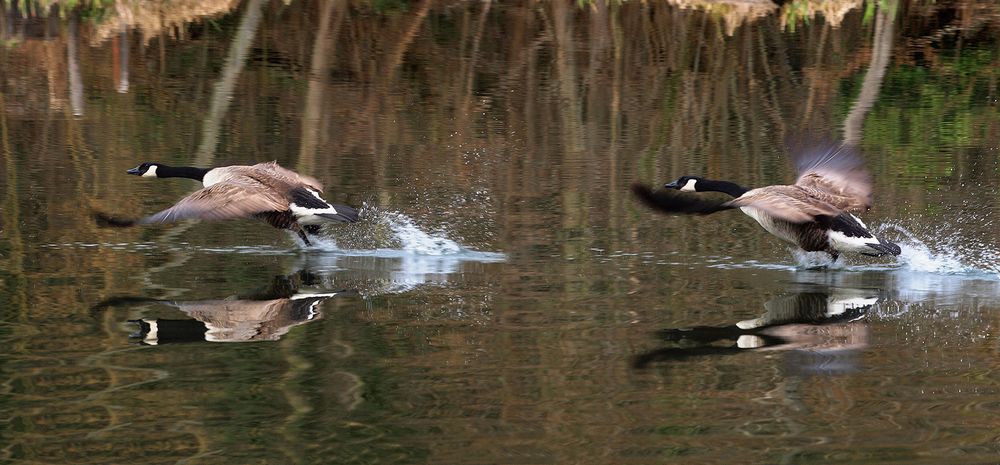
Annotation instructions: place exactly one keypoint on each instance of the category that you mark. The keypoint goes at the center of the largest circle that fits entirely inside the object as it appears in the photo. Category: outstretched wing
(288, 176)
(836, 173)
(222, 201)
(789, 203)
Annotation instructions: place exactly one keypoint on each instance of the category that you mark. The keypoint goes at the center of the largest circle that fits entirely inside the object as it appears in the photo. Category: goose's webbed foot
(305, 239)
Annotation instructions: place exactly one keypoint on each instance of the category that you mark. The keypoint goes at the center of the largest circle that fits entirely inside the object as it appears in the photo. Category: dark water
(505, 299)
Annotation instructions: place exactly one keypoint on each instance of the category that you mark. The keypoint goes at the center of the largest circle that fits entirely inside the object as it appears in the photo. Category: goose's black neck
(189, 172)
(726, 187)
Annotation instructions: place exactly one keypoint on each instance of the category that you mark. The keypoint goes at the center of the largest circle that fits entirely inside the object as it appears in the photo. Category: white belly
(310, 218)
(778, 228)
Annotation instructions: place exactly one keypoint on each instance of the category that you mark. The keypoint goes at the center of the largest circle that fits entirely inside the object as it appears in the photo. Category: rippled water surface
(504, 299)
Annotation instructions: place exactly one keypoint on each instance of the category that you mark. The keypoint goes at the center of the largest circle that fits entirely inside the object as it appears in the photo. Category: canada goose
(281, 197)
(815, 213)
(818, 321)
(232, 320)
(262, 316)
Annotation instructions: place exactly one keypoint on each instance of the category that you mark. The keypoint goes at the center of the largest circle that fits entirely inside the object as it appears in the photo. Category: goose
(266, 315)
(820, 321)
(816, 213)
(232, 320)
(266, 191)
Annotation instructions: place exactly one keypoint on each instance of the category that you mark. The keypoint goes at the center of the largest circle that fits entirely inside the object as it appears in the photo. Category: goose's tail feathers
(344, 214)
(886, 248)
(669, 201)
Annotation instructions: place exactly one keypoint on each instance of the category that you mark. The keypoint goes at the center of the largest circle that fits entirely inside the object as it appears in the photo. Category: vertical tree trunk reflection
(881, 52)
(324, 51)
(222, 91)
(73, 60)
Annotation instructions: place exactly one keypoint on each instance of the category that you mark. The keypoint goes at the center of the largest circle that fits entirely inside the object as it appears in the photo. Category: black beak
(135, 171)
(671, 185)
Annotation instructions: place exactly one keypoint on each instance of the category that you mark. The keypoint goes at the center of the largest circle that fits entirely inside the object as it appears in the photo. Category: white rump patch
(312, 296)
(844, 243)
(316, 194)
(836, 307)
(313, 310)
(307, 215)
(862, 223)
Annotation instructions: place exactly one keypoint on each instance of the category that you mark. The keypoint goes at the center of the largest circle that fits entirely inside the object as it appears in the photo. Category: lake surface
(504, 299)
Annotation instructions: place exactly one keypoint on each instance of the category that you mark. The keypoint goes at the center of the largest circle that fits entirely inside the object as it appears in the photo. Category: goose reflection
(266, 315)
(823, 328)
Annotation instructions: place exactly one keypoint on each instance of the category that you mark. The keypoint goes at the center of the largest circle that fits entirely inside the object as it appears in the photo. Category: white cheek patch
(150, 173)
(689, 186)
(749, 341)
(152, 337)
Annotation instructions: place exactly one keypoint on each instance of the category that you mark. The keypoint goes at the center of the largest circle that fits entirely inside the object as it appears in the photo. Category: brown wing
(288, 176)
(222, 201)
(837, 174)
(247, 320)
(789, 203)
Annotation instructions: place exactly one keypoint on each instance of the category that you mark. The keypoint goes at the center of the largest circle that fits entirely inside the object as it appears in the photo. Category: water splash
(925, 253)
(321, 243)
(816, 260)
(381, 233)
(939, 252)
(414, 239)
(395, 247)
(946, 252)
(389, 233)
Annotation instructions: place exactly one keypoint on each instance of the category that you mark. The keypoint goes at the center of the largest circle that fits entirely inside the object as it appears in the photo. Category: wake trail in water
(380, 233)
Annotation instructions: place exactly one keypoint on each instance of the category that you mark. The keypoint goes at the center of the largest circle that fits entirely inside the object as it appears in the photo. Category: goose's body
(816, 321)
(233, 320)
(264, 315)
(815, 213)
(266, 191)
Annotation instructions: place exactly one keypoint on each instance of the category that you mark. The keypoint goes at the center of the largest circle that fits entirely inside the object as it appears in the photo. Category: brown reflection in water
(823, 322)
(264, 316)
(79, 392)
(518, 128)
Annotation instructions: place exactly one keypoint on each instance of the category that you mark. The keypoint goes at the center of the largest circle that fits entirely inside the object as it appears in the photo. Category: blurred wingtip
(811, 151)
(646, 195)
(673, 202)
